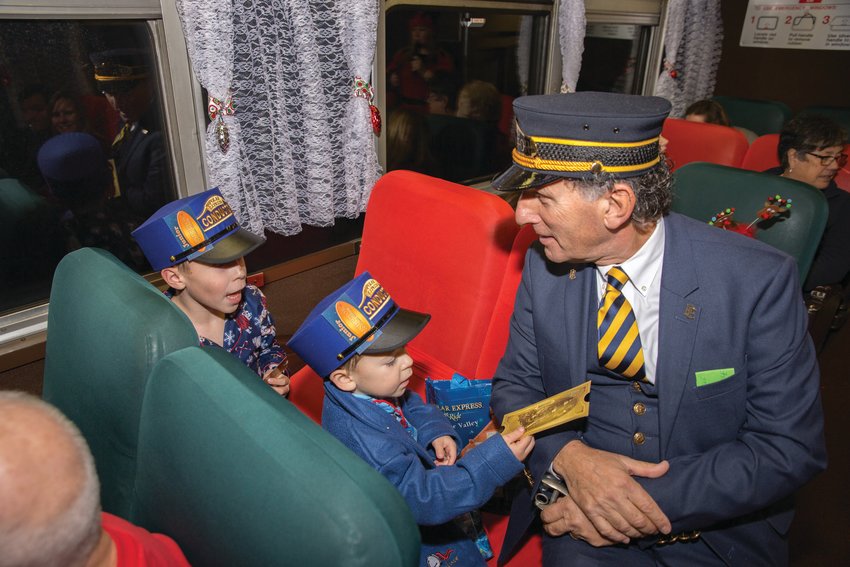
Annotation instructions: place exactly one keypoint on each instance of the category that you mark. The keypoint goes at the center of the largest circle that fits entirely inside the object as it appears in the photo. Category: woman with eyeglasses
(811, 150)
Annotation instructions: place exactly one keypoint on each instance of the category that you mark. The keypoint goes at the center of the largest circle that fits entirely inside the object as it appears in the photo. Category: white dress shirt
(643, 292)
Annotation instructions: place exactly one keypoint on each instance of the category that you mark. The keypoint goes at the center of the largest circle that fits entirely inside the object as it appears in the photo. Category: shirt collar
(643, 266)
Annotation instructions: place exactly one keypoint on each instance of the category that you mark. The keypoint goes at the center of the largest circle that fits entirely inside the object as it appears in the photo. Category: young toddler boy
(197, 246)
(355, 338)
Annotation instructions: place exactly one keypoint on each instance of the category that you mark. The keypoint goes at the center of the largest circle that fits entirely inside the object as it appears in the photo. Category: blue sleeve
(436, 495)
(429, 421)
(780, 444)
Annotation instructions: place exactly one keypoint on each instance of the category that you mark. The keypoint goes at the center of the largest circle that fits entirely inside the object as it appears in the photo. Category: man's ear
(172, 277)
(342, 380)
(620, 205)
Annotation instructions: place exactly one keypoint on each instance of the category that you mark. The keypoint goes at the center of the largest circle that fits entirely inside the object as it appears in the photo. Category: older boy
(197, 246)
(355, 338)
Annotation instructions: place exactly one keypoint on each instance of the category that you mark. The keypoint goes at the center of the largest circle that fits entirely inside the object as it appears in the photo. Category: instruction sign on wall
(797, 24)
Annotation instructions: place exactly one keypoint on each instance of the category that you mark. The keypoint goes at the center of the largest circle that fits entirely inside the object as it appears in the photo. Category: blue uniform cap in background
(358, 318)
(74, 166)
(578, 135)
(201, 227)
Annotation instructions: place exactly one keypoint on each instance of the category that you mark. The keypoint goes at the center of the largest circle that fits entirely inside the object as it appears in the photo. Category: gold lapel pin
(572, 274)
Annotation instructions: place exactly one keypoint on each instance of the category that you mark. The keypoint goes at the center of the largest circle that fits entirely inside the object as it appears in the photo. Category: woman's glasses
(827, 160)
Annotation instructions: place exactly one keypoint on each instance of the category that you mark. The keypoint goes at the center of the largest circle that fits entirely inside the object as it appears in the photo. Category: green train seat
(760, 116)
(106, 329)
(702, 189)
(238, 475)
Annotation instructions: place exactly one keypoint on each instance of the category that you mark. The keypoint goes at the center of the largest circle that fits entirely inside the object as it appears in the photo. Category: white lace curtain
(571, 27)
(301, 148)
(692, 45)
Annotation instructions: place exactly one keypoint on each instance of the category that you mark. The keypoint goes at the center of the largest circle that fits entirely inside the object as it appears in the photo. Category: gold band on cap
(566, 142)
(107, 72)
(566, 155)
(108, 78)
(553, 165)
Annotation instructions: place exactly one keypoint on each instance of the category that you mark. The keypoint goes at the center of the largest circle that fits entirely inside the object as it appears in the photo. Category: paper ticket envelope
(551, 412)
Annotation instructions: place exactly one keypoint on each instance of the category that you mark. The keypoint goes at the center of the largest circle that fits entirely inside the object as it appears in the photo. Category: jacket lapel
(579, 313)
(129, 146)
(678, 321)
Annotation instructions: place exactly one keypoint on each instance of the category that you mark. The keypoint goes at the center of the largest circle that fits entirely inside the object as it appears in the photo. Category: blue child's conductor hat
(579, 135)
(74, 166)
(201, 227)
(358, 318)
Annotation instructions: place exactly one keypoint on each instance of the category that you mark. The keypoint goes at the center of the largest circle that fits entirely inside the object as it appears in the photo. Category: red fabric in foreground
(136, 546)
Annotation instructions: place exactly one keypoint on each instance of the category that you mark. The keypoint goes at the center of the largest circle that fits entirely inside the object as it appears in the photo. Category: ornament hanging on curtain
(363, 89)
(674, 73)
(217, 109)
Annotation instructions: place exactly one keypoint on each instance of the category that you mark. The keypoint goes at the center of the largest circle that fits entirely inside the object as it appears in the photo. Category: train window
(614, 58)
(451, 77)
(83, 150)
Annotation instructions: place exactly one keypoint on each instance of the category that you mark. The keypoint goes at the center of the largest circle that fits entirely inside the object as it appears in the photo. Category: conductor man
(142, 175)
(705, 413)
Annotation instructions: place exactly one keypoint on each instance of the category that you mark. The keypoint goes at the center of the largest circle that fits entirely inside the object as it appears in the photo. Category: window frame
(379, 69)
(181, 104)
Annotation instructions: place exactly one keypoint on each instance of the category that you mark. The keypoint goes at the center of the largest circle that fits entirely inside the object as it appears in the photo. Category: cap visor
(399, 331)
(516, 178)
(231, 247)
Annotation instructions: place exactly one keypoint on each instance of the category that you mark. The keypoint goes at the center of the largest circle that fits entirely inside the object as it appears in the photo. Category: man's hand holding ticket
(553, 411)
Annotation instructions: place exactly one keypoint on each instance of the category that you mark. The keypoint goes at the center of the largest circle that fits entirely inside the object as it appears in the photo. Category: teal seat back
(703, 189)
(760, 116)
(238, 476)
(106, 329)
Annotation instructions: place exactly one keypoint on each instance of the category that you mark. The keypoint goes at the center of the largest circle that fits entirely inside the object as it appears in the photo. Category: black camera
(551, 488)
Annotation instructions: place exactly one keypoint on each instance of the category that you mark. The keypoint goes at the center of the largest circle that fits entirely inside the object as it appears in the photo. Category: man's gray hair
(69, 537)
(653, 191)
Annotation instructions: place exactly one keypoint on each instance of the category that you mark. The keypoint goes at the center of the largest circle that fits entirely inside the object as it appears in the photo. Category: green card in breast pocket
(706, 377)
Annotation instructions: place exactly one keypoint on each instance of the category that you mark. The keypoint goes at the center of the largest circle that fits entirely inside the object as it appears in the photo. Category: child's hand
(519, 443)
(277, 380)
(446, 450)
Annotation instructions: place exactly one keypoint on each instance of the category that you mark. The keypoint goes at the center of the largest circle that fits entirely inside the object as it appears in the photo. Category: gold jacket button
(636, 386)
(638, 438)
(639, 408)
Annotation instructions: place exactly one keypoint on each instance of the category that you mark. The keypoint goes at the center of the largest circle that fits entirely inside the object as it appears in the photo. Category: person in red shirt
(50, 498)
(413, 66)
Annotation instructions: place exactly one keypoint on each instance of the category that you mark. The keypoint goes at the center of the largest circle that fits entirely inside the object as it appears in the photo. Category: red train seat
(454, 252)
(761, 154)
(497, 334)
(506, 117)
(440, 248)
(697, 141)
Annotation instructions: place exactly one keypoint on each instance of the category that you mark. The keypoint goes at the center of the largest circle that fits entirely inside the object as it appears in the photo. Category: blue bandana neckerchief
(391, 409)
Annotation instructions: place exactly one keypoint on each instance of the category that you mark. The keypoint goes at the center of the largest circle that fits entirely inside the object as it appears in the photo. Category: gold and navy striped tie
(619, 341)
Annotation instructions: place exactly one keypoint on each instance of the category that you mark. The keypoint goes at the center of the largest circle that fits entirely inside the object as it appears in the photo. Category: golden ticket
(551, 412)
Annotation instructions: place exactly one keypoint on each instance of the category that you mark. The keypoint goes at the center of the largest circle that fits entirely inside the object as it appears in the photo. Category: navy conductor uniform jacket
(740, 443)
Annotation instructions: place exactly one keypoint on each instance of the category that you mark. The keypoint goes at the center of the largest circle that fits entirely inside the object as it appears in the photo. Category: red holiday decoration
(773, 207)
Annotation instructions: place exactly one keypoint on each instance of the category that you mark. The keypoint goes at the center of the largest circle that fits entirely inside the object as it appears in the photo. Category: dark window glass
(82, 161)
(614, 58)
(452, 75)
